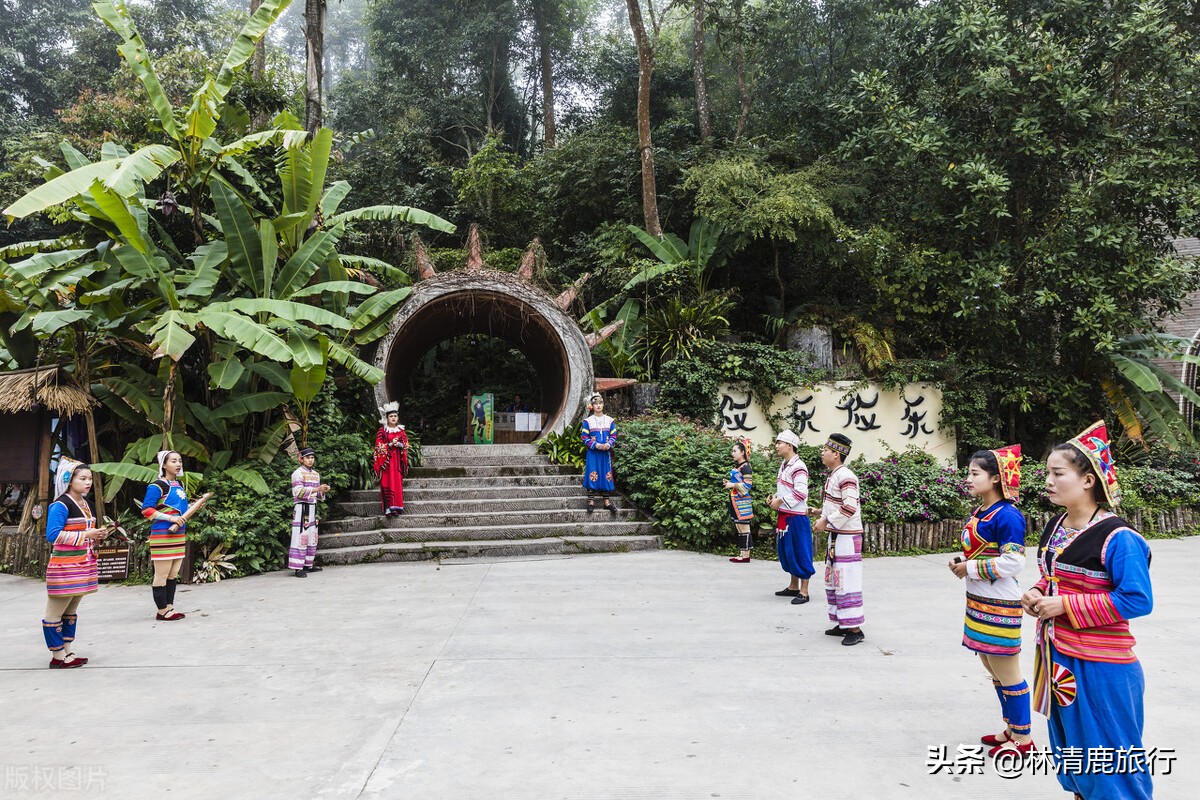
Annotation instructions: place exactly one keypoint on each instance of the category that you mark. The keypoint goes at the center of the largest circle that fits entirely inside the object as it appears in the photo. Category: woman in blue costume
(1095, 578)
(599, 436)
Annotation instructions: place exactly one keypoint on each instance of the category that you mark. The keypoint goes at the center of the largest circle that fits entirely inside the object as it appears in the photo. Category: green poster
(482, 419)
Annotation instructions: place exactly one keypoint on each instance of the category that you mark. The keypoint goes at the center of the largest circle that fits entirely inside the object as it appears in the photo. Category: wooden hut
(30, 399)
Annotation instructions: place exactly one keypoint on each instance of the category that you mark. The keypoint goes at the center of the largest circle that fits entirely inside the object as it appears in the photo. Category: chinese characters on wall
(874, 418)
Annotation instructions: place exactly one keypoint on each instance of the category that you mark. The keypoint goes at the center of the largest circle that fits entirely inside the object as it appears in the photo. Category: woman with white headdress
(165, 505)
(599, 436)
(72, 571)
(391, 459)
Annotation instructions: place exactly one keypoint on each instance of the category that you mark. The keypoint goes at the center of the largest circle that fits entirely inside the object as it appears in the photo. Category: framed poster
(483, 409)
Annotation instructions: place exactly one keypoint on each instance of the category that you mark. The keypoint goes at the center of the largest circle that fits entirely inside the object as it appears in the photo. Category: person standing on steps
(391, 459)
(164, 505)
(1095, 578)
(793, 532)
(741, 506)
(993, 555)
(841, 519)
(599, 437)
(72, 571)
(307, 491)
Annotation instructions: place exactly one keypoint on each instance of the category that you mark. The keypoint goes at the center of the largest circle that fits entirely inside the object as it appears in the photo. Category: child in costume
(599, 436)
(741, 507)
(72, 571)
(841, 518)
(793, 532)
(391, 459)
(164, 505)
(1095, 578)
(993, 546)
(307, 491)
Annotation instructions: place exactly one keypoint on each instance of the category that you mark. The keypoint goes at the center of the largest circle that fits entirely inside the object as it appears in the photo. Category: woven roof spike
(608, 330)
(425, 269)
(565, 299)
(529, 260)
(474, 249)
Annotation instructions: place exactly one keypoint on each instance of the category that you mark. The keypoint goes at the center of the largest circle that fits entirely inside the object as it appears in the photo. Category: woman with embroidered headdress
(1095, 578)
(599, 437)
(72, 571)
(993, 555)
(165, 505)
(391, 459)
(739, 482)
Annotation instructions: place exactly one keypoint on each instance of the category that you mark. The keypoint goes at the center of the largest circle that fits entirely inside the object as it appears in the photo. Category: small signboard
(113, 557)
(483, 408)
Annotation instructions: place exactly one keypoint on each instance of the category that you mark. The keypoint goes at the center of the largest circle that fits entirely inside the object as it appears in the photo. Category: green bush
(1151, 489)
(566, 448)
(688, 386)
(911, 486)
(674, 468)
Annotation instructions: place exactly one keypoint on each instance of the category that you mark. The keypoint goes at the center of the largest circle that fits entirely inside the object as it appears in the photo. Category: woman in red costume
(391, 460)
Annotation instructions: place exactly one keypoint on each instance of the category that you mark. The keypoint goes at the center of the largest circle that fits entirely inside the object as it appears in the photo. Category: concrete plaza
(645, 675)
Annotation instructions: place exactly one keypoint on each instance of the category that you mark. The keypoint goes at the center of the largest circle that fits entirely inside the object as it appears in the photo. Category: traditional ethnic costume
(391, 461)
(302, 552)
(1087, 680)
(741, 505)
(599, 429)
(993, 545)
(793, 531)
(166, 498)
(843, 550)
(72, 570)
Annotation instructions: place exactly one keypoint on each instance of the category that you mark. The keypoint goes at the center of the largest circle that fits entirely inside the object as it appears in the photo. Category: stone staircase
(490, 500)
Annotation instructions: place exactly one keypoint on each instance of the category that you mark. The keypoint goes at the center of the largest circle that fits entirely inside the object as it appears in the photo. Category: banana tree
(1138, 388)
(703, 253)
(260, 298)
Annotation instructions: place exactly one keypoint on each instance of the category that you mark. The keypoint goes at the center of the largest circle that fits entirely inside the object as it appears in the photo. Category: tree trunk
(84, 377)
(702, 108)
(645, 146)
(169, 404)
(547, 70)
(314, 35)
(739, 58)
(258, 69)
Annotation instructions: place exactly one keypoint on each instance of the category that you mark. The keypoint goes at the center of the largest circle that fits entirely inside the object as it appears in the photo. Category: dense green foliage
(689, 385)
(976, 193)
(674, 468)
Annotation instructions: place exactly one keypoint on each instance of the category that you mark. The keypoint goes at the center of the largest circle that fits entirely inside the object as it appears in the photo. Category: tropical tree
(250, 291)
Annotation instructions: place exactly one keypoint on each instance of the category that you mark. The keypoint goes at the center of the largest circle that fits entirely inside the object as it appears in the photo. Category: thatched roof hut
(24, 389)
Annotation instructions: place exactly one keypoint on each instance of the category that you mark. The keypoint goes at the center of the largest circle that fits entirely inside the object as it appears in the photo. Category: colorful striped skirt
(166, 546)
(71, 571)
(992, 627)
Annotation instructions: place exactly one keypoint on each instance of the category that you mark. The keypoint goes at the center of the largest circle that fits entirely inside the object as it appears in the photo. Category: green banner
(483, 418)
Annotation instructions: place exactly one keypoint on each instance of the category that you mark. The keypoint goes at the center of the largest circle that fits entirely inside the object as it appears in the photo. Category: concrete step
(479, 450)
(418, 503)
(369, 499)
(414, 551)
(375, 535)
(420, 484)
(483, 460)
(491, 471)
(473, 518)
(611, 544)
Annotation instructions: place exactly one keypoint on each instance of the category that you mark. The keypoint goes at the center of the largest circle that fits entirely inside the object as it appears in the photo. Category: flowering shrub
(1157, 489)
(911, 486)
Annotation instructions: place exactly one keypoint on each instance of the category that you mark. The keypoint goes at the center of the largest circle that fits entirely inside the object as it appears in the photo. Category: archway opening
(444, 319)
(435, 400)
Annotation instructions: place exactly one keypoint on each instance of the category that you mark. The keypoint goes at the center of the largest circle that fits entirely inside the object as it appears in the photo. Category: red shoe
(174, 615)
(745, 560)
(1011, 748)
(73, 657)
(993, 741)
(66, 663)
